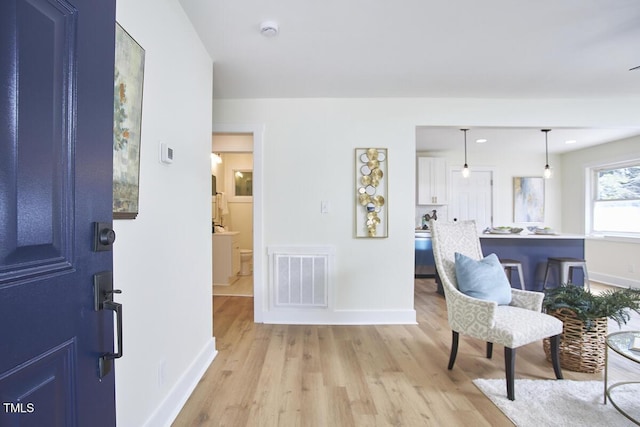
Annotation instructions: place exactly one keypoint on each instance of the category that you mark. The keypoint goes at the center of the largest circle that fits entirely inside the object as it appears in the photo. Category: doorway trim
(257, 131)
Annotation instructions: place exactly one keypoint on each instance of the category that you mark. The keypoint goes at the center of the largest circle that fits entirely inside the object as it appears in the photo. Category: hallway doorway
(232, 216)
(236, 142)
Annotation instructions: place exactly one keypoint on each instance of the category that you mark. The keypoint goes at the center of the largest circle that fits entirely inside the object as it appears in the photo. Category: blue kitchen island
(532, 250)
(425, 265)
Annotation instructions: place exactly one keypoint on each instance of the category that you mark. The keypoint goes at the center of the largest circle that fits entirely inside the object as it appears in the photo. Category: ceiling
(422, 48)
(512, 139)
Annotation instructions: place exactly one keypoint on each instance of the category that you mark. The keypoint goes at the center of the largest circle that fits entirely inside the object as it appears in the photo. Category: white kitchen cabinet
(226, 257)
(432, 181)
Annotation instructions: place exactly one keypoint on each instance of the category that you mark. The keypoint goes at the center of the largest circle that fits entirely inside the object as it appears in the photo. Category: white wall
(609, 260)
(162, 259)
(309, 156)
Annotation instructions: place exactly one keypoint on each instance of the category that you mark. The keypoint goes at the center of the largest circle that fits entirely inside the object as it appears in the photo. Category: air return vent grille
(300, 276)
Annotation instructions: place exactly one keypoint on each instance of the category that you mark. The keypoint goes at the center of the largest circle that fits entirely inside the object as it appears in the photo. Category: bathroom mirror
(243, 182)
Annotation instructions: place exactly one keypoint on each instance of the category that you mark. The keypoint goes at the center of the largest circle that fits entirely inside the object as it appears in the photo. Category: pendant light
(547, 170)
(465, 169)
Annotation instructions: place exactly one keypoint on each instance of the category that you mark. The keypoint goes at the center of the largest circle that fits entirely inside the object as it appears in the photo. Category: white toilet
(246, 261)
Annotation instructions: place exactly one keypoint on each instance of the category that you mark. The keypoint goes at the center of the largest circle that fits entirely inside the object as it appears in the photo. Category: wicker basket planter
(581, 349)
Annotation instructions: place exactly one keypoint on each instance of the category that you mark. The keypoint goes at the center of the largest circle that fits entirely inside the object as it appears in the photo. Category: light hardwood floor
(391, 375)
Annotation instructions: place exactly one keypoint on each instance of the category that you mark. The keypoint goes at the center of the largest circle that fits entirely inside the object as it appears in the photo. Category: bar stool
(565, 267)
(509, 265)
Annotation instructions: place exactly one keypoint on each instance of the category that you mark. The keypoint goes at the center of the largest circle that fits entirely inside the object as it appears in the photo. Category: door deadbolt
(107, 236)
(103, 236)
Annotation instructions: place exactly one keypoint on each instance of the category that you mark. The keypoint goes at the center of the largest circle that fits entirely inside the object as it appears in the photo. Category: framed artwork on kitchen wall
(528, 199)
(127, 124)
(371, 192)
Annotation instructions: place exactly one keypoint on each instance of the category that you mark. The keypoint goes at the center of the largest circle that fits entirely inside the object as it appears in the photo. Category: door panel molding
(37, 187)
(51, 373)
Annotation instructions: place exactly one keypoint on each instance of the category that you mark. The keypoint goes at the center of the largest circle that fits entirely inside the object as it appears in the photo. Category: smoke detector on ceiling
(269, 28)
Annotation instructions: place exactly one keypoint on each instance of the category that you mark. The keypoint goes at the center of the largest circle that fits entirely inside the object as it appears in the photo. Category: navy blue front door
(56, 114)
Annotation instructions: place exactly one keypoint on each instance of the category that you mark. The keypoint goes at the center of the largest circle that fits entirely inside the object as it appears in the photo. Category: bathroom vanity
(226, 257)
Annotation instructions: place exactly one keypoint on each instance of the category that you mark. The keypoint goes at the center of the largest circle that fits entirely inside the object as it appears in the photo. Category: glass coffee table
(621, 343)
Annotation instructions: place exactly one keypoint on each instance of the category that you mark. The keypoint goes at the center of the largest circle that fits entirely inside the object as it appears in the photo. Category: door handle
(104, 362)
(117, 308)
(103, 293)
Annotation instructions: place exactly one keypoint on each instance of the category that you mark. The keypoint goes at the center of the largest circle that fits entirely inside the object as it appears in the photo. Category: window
(616, 199)
(243, 183)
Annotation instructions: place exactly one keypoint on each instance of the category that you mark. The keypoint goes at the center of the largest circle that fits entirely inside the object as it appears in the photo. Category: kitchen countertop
(531, 236)
(427, 233)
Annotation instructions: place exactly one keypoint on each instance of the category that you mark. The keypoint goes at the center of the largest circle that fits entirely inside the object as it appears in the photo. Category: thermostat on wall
(166, 153)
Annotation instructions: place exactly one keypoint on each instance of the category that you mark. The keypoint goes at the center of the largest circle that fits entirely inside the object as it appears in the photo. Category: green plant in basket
(614, 304)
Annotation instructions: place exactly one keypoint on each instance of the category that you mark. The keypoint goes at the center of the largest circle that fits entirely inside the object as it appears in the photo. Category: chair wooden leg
(454, 349)
(555, 355)
(489, 350)
(509, 367)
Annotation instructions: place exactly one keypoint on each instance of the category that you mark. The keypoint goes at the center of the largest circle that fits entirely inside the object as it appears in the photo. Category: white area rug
(562, 402)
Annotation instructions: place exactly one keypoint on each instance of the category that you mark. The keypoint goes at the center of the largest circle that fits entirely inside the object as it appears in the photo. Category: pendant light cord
(547, 169)
(546, 146)
(465, 169)
(465, 145)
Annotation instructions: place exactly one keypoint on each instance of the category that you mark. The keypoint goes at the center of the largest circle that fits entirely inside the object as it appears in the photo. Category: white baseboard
(608, 279)
(341, 317)
(171, 406)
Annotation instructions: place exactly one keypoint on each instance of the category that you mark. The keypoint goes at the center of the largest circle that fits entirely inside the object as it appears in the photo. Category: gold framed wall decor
(371, 192)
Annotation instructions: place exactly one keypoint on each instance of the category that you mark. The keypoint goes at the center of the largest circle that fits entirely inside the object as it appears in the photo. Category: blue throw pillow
(483, 279)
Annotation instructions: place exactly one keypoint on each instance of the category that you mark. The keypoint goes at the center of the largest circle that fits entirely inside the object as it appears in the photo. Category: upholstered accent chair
(519, 323)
